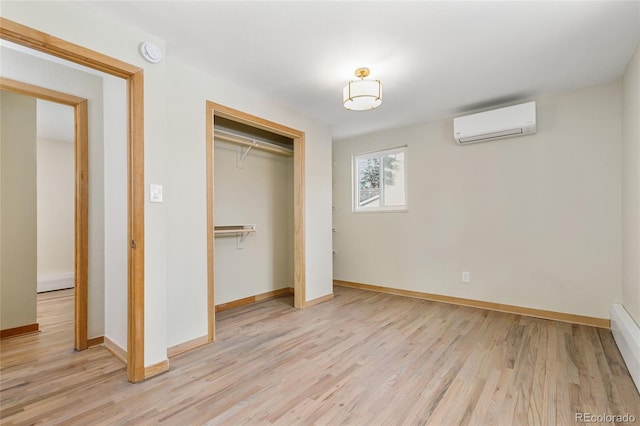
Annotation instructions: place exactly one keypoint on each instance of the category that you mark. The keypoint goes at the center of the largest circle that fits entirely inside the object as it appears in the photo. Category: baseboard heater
(626, 333)
(55, 282)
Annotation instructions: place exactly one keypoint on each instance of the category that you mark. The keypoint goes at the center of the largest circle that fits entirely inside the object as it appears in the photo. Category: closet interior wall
(254, 188)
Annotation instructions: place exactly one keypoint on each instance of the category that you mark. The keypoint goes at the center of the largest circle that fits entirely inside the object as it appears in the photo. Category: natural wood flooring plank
(362, 358)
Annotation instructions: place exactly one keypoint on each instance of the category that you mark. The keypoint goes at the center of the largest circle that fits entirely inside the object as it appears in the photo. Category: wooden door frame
(81, 208)
(299, 276)
(37, 40)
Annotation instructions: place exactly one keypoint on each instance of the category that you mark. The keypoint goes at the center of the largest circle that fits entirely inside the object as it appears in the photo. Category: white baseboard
(56, 282)
(626, 333)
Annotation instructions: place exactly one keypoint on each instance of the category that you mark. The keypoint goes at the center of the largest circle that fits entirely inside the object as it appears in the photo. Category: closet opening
(255, 238)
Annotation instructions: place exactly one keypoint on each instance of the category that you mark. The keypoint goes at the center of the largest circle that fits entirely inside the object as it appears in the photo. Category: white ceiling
(435, 59)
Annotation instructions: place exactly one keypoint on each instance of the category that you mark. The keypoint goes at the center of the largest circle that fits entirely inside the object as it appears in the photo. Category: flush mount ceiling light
(362, 95)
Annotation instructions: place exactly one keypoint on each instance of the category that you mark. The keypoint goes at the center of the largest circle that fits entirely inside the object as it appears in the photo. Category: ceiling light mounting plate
(362, 72)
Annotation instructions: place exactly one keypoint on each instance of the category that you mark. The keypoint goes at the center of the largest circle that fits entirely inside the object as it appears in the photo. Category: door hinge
(133, 244)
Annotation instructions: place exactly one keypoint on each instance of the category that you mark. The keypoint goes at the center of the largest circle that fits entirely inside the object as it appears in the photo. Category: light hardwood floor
(363, 358)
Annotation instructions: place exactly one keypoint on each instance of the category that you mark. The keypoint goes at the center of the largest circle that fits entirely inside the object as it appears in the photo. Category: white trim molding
(56, 282)
(626, 333)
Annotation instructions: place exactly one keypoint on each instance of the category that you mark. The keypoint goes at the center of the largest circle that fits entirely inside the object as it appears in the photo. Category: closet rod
(241, 140)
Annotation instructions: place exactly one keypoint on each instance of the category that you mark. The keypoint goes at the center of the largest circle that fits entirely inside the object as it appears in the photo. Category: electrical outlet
(466, 277)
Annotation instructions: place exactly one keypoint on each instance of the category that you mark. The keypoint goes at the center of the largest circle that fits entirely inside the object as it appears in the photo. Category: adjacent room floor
(362, 358)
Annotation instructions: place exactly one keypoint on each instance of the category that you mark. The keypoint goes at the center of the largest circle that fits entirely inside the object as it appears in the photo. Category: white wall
(107, 191)
(73, 22)
(56, 197)
(40, 72)
(260, 193)
(115, 214)
(631, 187)
(186, 193)
(18, 240)
(535, 219)
(175, 231)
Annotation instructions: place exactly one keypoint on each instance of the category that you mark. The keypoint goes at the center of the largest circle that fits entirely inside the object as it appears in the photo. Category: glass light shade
(362, 95)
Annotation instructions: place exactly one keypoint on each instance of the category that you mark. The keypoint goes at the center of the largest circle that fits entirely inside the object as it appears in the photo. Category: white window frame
(355, 184)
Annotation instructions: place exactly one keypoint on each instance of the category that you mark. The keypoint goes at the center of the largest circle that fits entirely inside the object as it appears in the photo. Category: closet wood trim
(214, 110)
(255, 121)
(254, 299)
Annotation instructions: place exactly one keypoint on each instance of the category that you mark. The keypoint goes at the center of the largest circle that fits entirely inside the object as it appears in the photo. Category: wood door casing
(43, 42)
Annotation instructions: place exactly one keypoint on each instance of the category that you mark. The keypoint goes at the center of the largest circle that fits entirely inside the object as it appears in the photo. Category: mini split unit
(508, 122)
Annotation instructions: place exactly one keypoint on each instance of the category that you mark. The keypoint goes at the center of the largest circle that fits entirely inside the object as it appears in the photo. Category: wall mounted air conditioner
(516, 120)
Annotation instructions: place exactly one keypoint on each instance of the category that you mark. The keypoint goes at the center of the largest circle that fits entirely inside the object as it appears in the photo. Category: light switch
(155, 193)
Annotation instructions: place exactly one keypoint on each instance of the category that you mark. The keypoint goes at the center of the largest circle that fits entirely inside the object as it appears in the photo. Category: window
(379, 181)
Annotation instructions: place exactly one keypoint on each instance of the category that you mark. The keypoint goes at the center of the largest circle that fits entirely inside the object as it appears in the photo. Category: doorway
(221, 112)
(37, 40)
(81, 209)
(55, 177)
